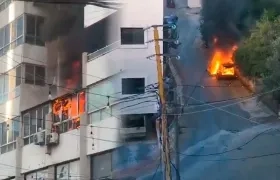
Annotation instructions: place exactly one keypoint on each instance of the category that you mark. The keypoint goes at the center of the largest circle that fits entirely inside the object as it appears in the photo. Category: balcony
(103, 51)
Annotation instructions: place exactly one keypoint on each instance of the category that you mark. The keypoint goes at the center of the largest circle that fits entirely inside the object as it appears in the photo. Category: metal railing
(103, 51)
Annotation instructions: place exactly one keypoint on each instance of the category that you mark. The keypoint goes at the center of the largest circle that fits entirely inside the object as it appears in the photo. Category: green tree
(273, 64)
(254, 51)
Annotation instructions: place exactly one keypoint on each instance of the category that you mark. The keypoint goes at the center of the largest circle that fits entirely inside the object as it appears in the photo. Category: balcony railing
(103, 51)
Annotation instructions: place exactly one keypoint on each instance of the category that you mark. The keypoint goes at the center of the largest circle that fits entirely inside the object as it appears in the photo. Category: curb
(250, 86)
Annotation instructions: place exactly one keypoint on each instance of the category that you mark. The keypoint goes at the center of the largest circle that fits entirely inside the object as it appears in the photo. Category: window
(11, 35)
(41, 174)
(4, 4)
(66, 112)
(131, 36)
(133, 120)
(9, 131)
(101, 166)
(133, 86)
(67, 171)
(33, 120)
(9, 84)
(97, 116)
(34, 74)
(33, 30)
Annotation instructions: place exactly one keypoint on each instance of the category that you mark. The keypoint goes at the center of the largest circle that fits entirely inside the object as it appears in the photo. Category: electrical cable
(234, 114)
(231, 104)
(177, 171)
(230, 150)
(155, 173)
(200, 79)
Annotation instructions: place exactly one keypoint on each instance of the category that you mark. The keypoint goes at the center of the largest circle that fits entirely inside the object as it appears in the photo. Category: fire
(70, 107)
(220, 57)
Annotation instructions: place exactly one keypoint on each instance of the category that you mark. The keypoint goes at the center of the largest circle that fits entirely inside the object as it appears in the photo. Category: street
(225, 133)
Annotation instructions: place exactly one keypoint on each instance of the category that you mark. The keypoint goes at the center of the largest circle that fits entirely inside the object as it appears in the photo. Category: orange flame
(221, 57)
(70, 106)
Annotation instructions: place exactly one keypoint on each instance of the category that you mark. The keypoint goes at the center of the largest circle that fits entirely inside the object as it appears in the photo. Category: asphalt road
(227, 139)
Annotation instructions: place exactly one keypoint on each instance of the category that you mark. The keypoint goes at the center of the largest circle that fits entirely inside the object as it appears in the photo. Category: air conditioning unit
(52, 138)
(39, 138)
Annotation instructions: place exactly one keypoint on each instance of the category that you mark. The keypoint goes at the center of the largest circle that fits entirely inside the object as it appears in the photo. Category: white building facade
(88, 127)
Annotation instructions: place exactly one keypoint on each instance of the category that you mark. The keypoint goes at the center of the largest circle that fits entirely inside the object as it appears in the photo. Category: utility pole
(165, 145)
(164, 130)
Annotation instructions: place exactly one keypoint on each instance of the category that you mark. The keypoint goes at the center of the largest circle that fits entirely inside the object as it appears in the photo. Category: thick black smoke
(63, 34)
(223, 19)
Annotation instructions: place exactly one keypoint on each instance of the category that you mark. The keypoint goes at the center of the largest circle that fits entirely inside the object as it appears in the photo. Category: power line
(230, 150)
(244, 100)
(155, 173)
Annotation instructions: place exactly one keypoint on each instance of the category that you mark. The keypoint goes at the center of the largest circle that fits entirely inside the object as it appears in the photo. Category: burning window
(67, 110)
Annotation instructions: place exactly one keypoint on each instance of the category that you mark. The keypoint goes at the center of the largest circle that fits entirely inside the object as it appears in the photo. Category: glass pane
(18, 75)
(12, 79)
(105, 113)
(30, 39)
(82, 102)
(2, 37)
(20, 26)
(10, 131)
(26, 124)
(39, 118)
(102, 165)
(39, 26)
(4, 133)
(45, 112)
(30, 25)
(39, 75)
(2, 84)
(29, 74)
(95, 117)
(7, 35)
(26, 141)
(74, 106)
(33, 128)
(19, 41)
(62, 172)
(13, 30)
(16, 123)
(4, 149)
(6, 83)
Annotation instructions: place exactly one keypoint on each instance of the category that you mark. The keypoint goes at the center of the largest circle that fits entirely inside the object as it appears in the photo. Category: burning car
(226, 71)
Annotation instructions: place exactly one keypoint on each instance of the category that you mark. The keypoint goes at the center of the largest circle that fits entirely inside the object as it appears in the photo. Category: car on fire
(226, 71)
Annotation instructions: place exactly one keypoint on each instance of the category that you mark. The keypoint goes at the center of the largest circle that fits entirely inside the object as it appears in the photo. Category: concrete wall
(8, 164)
(34, 157)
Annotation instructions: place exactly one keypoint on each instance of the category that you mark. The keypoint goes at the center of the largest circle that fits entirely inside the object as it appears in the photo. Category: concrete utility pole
(165, 140)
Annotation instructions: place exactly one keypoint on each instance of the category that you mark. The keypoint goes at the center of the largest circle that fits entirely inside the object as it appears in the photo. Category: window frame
(34, 75)
(99, 111)
(130, 40)
(5, 92)
(18, 40)
(92, 164)
(5, 4)
(73, 121)
(28, 139)
(124, 92)
(9, 145)
(36, 37)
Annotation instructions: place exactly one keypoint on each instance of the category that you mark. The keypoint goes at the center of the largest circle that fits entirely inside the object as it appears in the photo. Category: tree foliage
(253, 52)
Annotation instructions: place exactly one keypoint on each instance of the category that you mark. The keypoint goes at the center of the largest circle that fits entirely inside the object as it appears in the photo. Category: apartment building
(73, 135)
